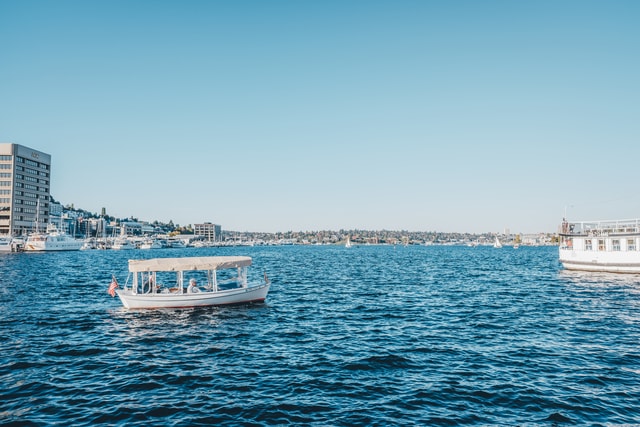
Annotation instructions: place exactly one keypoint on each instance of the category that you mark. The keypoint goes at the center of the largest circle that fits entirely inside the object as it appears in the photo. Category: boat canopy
(188, 264)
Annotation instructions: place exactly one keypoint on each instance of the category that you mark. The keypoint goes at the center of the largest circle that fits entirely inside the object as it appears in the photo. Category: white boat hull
(250, 294)
(51, 246)
(612, 262)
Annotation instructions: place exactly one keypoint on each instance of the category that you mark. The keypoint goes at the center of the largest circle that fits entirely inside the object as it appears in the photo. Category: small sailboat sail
(348, 244)
(497, 243)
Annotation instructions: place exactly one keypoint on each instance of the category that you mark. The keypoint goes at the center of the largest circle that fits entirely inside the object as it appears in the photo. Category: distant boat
(348, 244)
(609, 246)
(150, 244)
(176, 243)
(88, 244)
(11, 244)
(51, 240)
(122, 244)
(497, 243)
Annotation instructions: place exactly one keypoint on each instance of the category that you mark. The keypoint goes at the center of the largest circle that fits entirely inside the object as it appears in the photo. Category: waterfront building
(25, 188)
(211, 232)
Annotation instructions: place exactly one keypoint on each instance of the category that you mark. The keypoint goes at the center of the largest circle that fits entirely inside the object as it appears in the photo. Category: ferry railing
(601, 228)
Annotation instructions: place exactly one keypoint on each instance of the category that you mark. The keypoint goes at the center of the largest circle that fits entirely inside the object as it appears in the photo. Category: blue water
(371, 336)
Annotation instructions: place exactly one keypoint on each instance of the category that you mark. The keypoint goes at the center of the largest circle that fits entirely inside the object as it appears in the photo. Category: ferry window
(615, 243)
(631, 244)
(587, 245)
(601, 246)
(568, 243)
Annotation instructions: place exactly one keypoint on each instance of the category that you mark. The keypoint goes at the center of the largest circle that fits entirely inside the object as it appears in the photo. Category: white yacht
(609, 246)
(51, 240)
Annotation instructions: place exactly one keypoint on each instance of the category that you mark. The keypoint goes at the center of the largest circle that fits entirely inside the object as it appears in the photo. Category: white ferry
(609, 246)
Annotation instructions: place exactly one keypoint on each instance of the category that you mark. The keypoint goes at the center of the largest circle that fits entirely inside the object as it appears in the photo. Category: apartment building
(211, 232)
(25, 188)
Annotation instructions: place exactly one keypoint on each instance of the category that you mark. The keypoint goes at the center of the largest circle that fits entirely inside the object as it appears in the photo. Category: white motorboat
(123, 244)
(11, 244)
(176, 243)
(52, 240)
(608, 246)
(150, 244)
(88, 244)
(159, 283)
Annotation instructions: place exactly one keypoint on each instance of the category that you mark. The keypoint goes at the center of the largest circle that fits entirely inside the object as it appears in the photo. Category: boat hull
(30, 247)
(611, 262)
(247, 295)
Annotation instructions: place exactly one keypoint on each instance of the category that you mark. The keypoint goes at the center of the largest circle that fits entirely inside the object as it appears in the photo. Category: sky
(452, 116)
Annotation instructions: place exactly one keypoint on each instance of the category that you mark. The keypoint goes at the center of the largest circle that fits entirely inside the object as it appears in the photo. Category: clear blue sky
(470, 116)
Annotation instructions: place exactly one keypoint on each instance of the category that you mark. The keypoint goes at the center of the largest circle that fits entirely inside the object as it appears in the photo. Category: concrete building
(25, 176)
(211, 232)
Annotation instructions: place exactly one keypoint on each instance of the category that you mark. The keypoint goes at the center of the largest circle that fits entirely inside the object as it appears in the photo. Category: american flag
(113, 286)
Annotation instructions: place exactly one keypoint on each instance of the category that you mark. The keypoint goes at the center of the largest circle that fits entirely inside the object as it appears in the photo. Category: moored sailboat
(348, 243)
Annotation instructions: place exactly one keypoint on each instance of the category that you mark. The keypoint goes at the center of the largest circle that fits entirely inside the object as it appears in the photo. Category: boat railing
(601, 228)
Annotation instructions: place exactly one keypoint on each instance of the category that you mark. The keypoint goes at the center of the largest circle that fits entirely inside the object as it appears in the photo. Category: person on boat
(149, 285)
(192, 287)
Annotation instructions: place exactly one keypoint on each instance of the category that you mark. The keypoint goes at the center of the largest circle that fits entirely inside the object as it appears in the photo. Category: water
(372, 335)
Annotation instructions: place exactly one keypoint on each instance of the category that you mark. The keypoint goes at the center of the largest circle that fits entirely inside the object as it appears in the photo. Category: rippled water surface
(371, 335)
